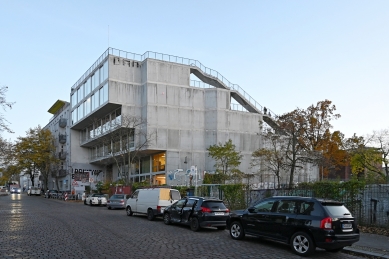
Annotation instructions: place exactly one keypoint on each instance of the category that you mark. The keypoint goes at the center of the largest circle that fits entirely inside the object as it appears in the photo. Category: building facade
(178, 109)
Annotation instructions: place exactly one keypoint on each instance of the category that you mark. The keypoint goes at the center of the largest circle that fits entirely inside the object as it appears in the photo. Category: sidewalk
(371, 246)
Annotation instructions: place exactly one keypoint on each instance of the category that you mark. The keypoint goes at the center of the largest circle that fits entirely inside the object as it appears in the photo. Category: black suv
(302, 222)
(197, 212)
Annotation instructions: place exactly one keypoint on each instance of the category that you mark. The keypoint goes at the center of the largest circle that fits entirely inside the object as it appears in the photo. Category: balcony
(62, 172)
(62, 155)
(63, 122)
(62, 138)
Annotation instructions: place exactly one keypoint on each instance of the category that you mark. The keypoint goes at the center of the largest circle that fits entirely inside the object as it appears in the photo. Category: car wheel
(194, 224)
(221, 228)
(90, 203)
(166, 219)
(302, 244)
(108, 207)
(335, 250)
(84, 202)
(150, 215)
(236, 231)
(129, 211)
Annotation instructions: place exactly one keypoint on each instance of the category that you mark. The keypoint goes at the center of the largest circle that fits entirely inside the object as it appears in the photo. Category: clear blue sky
(285, 54)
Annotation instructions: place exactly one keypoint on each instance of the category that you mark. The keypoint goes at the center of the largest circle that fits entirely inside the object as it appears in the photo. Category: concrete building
(180, 118)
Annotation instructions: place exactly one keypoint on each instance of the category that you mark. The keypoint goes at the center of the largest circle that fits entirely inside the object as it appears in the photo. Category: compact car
(116, 201)
(302, 222)
(197, 212)
(96, 199)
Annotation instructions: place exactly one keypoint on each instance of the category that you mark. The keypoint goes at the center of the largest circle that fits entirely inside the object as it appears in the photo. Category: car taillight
(204, 209)
(121, 201)
(227, 210)
(326, 223)
(159, 209)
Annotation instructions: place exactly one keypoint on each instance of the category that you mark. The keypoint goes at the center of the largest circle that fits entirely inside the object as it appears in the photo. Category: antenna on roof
(108, 36)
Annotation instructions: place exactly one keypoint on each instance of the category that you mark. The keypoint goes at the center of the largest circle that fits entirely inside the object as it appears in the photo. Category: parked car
(3, 192)
(51, 194)
(15, 190)
(96, 199)
(151, 201)
(302, 222)
(32, 190)
(116, 201)
(197, 212)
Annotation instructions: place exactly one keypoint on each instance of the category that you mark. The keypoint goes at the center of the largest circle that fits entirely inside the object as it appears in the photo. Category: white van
(151, 201)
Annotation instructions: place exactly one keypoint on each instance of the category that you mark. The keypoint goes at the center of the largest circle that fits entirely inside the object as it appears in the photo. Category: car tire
(129, 211)
(194, 224)
(335, 250)
(150, 214)
(108, 207)
(90, 203)
(85, 202)
(221, 228)
(236, 230)
(166, 219)
(302, 244)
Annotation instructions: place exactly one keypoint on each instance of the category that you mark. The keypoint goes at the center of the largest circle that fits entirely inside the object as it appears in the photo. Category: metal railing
(174, 59)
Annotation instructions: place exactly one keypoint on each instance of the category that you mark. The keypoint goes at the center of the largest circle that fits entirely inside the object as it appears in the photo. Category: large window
(88, 87)
(80, 112)
(74, 99)
(145, 165)
(80, 93)
(104, 72)
(95, 101)
(159, 162)
(103, 92)
(87, 106)
(74, 116)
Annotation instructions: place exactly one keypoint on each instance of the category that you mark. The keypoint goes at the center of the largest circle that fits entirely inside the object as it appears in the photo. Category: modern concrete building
(180, 118)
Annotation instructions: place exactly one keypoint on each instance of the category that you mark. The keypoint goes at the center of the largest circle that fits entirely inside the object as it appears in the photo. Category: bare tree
(4, 104)
(123, 142)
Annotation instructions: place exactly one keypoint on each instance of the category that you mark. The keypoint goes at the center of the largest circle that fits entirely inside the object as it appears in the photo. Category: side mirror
(251, 209)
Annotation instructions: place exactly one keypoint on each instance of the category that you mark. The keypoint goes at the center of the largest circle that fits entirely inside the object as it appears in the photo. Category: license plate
(219, 213)
(347, 225)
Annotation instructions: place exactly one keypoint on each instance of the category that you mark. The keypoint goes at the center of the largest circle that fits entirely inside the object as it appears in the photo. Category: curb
(366, 254)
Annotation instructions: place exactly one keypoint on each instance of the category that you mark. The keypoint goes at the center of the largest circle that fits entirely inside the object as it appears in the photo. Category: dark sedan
(116, 201)
(197, 212)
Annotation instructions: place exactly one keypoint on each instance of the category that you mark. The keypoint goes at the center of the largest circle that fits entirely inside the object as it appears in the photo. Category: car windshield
(117, 197)
(98, 195)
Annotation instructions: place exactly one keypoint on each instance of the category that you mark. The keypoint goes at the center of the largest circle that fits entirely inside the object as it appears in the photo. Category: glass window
(74, 99)
(97, 99)
(159, 162)
(80, 92)
(286, 206)
(80, 112)
(87, 106)
(96, 79)
(105, 71)
(265, 206)
(87, 87)
(180, 203)
(145, 165)
(103, 94)
(106, 123)
(74, 116)
(90, 132)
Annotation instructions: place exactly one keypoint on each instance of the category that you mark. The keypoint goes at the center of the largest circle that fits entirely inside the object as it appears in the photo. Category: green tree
(36, 153)
(227, 160)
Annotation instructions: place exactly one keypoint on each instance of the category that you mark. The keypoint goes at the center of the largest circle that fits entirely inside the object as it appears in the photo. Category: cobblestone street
(35, 227)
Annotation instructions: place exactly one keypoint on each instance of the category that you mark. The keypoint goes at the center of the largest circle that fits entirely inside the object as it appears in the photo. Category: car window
(180, 203)
(135, 195)
(286, 206)
(119, 196)
(214, 205)
(336, 210)
(190, 203)
(310, 208)
(265, 206)
(175, 195)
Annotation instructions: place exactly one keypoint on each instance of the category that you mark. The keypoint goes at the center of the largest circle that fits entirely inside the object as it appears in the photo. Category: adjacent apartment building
(182, 108)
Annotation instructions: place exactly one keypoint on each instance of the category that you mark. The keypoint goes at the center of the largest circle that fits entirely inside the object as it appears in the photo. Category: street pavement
(35, 227)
